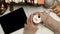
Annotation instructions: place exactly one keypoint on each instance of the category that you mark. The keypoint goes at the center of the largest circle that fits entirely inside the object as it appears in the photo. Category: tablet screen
(13, 21)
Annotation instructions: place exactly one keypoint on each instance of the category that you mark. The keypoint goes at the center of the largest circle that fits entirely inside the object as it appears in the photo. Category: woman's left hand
(30, 27)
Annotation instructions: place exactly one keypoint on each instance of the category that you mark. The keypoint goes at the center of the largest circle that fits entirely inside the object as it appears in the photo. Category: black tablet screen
(13, 21)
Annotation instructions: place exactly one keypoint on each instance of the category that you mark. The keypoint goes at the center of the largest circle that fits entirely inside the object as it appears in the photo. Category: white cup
(37, 19)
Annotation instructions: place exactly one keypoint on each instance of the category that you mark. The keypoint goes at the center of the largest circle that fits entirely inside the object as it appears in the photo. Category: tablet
(13, 21)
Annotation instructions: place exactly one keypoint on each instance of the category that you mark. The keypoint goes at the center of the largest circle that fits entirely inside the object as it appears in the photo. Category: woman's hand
(30, 27)
(56, 9)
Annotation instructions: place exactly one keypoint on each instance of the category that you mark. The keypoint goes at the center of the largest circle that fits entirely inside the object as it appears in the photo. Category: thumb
(44, 16)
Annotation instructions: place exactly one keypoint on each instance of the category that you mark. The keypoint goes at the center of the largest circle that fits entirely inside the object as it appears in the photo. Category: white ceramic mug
(37, 19)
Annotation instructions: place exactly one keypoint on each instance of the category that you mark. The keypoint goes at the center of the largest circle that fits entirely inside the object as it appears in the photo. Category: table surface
(28, 11)
(1, 30)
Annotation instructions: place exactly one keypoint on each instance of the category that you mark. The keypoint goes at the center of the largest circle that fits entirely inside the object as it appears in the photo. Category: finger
(25, 25)
(36, 13)
(58, 14)
(44, 16)
(29, 20)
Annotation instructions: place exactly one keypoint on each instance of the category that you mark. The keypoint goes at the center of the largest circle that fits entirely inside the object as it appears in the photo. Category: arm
(50, 22)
